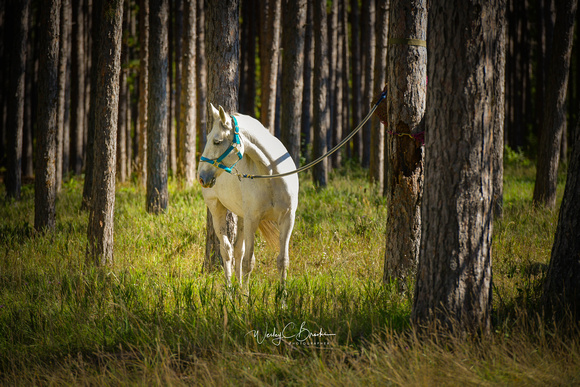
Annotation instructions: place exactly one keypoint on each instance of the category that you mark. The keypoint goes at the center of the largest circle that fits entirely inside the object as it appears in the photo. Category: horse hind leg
(286, 224)
(239, 248)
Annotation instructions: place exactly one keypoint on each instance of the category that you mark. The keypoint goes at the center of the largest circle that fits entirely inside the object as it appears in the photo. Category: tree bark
(320, 95)
(178, 39)
(31, 96)
(453, 289)
(498, 106)
(188, 95)
(338, 95)
(90, 134)
(123, 100)
(45, 179)
(157, 125)
(407, 82)
(201, 74)
(78, 114)
(345, 78)
(293, 75)
(332, 34)
(554, 105)
(562, 286)
(18, 41)
(306, 125)
(249, 33)
(4, 69)
(270, 18)
(143, 89)
(63, 55)
(65, 156)
(101, 215)
(356, 76)
(377, 151)
(368, 61)
(223, 52)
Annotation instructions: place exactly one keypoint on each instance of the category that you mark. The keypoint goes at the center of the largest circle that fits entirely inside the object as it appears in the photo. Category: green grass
(155, 318)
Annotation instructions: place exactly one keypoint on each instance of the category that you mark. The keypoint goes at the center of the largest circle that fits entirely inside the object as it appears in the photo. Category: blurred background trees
(350, 49)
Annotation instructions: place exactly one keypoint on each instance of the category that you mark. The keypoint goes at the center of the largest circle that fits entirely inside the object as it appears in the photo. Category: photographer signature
(302, 337)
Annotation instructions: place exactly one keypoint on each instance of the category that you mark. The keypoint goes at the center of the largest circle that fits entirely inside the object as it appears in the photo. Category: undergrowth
(154, 317)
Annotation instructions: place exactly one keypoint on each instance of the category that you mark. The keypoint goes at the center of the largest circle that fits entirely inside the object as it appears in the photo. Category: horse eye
(217, 142)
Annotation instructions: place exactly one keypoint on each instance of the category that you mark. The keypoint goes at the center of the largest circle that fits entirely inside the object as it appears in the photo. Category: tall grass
(155, 318)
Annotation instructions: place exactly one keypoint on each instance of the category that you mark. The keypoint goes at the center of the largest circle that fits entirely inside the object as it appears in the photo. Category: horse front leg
(249, 260)
(218, 214)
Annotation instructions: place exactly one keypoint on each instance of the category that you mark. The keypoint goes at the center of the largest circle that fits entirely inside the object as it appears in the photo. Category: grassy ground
(155, 318)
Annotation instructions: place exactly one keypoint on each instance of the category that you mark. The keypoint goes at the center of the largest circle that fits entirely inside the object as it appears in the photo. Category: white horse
(241, 143)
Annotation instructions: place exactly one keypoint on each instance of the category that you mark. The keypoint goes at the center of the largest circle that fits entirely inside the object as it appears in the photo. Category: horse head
(223, 148)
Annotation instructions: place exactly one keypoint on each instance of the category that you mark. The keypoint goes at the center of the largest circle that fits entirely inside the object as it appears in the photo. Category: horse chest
(243, 197)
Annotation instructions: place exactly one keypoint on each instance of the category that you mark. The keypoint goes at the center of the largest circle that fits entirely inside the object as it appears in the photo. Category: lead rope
(318, 160)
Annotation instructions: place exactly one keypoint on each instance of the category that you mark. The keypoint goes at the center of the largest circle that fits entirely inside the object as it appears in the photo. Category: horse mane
(266, 147)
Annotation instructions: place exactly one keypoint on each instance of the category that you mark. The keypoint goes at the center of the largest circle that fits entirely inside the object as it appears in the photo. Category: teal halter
(234, 146)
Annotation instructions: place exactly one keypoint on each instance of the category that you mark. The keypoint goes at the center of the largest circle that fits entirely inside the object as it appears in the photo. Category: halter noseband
(234, 146)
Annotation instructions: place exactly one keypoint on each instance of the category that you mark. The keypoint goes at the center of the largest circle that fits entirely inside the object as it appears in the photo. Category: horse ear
(223, 116)
(214, 111)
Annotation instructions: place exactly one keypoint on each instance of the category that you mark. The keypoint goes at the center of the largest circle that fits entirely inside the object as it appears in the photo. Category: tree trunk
(90, 135)
(143, 89)
(201, 74)
(62, 86)
(18, 30)
(306, 125)
(320, 95)
(157, 125)
(377, 151)
(293, 75)
(345, 78)
(453, 289)
(123, 101)
(562, 286)
(249, 33)
(222, 89)
(188, 95)
(407, 82)
(178, 42)
(498, 106)
(65, 157)
(270, 16)
(4, 69)
(338, 95)
(101, 215)
(45, 179)
(332, 42)
(368, 62)
(554, 105)
(132, 102)
(31, 96)
(517, 73)
(77, 87)
(356, 76)
(171, 134)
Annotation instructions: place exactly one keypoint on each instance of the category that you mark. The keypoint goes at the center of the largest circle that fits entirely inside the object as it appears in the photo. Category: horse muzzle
(207, 181)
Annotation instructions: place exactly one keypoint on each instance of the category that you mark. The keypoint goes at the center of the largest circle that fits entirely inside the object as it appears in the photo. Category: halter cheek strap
(234, 146)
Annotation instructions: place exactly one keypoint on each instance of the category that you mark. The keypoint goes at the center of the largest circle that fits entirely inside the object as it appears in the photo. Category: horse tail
(271, 233)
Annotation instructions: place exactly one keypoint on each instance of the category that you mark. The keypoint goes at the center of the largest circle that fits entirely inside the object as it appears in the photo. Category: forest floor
(155, 317)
